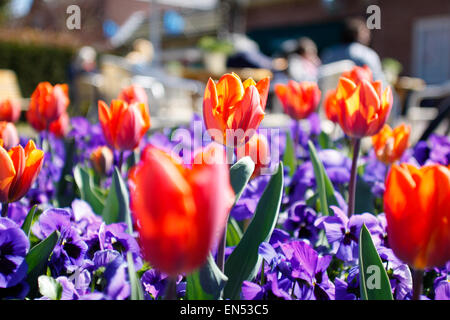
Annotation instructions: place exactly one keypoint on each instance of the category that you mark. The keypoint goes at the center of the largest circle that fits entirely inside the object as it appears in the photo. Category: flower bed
(106, 211)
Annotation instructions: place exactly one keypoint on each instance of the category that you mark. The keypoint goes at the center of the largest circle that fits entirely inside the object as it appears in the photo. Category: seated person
(355, 41)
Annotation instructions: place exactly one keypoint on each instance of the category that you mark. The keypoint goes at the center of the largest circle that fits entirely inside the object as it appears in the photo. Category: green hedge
(34, 63)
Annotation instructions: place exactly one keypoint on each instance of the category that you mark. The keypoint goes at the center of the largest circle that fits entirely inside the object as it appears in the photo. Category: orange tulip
(390, 144)
(416, 203)
(331, 106)
(133, 94)
(356, 74)
(60, 127)
(180, 212)
(232, 109)
(123, 124)
(258, 150)
(47, 104)
(102, 159)
(9, 110)
(299, 99)
(19, 169)
(363, 108)
(9, 135)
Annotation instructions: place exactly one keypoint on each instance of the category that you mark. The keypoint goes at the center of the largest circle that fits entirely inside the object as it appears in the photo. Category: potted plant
(215, 54)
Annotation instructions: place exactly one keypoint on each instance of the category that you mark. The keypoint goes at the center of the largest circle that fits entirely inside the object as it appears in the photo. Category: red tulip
(19, 169)
(331, 106)
(60, 127)
(356, 74)
(180, 212)
(363, 108)
(9, 135)
(133, 94)
(416, 203)
(390, 144)
(257, 148)
(123, 124)
(299, 99)
(102, 159)
(232, 109)
(9, 110)
(47, 104)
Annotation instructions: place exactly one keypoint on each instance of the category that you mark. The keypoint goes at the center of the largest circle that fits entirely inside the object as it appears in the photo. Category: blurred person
(247, 54)
(355, 40)
(143, 52)
(303, 63)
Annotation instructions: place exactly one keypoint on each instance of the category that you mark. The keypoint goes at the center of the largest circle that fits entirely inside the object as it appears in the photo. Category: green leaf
(117, 206)
(373, 279)
(85, 183)
(234, 233)
(244, 262)
(26, 226)
(37, 259)
(50, 288)
(323, 182)
(206, 283)
(64, 196)
(240, 174)
(289, 157)
(136, 288)
(364, 199)
(325, 141)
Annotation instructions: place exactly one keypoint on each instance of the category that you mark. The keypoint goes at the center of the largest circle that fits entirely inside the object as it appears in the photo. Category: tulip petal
(7, 173)
(33, 164)
(229, 92)
(263, 87)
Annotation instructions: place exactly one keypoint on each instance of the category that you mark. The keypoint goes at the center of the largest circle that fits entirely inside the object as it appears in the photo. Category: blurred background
(172, 47)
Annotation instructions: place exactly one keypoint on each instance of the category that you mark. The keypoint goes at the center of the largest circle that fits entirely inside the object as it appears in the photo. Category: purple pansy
(343, 233)
(310, 268)
(154, 284)
(14, 246)
(246, 205)
(300, 221)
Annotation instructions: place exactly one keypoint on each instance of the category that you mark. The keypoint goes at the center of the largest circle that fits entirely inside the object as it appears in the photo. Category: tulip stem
(353, 177)
(120, 161)
(296, 136)
(417, 283)
(221, 250)
(5, 206)
(171, 288)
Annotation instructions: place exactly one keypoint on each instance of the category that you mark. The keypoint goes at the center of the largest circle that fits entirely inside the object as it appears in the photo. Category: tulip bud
(390, 144)
(416, 204)
(258, 150)
(9, 135)
(299, 99)
(102, 160)
(9, 110)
